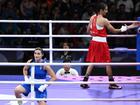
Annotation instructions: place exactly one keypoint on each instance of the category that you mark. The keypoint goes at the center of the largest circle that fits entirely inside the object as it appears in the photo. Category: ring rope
(64, 82)
(71, 99)
(61, 36)
(55, 21)
(60, 49)
(58, 64)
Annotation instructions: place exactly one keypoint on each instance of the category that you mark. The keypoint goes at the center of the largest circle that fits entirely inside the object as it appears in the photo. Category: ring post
(138, 45)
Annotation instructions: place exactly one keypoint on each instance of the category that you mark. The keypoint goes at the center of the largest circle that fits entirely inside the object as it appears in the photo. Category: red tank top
(94, 31)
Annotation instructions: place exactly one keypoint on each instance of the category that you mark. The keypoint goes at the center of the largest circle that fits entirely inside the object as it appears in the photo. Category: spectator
(10, 10)
(112, 12)
(121, 13)
(28, 8)
(129, 6)
(66, 54)
(137, 10)
(137, 6)
(89, 12)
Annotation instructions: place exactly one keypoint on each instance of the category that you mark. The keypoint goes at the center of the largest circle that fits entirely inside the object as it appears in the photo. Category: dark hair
(100, 6)
(39, 48)
(67, 60)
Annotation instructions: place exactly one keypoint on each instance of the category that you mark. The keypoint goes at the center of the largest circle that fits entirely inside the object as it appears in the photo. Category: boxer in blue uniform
(40, 76)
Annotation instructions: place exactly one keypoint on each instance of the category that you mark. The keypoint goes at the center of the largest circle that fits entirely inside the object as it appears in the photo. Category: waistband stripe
(99, 39)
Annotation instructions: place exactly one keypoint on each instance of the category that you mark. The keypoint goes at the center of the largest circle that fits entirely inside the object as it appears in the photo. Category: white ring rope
(60, 36)
(55, 49)
(50, 22)
(71, 99)
(58, 64)
(55, 21)
(70, 82)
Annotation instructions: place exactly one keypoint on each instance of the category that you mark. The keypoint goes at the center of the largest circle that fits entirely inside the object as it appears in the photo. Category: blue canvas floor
(74, 91)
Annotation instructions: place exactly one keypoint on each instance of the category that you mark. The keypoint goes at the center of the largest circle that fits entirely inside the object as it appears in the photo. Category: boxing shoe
(114, 86)
(85, 86)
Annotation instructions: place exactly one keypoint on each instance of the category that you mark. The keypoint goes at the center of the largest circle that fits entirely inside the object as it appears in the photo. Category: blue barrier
(138, 45)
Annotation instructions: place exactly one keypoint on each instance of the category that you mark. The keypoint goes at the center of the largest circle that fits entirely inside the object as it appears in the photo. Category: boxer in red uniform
(98, 48)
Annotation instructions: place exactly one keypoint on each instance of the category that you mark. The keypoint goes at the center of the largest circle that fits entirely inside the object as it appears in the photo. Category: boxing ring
(63, 94)
(66, 90)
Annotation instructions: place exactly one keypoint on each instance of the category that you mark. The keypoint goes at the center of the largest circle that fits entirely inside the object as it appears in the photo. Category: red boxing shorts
(98, 52)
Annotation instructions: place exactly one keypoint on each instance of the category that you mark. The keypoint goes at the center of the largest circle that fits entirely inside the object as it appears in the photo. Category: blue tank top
(40, 72)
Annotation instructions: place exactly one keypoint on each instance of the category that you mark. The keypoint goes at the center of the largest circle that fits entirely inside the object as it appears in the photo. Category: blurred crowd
(66, 9)
(60, 10)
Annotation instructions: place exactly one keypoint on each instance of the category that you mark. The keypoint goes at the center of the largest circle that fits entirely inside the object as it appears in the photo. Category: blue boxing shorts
(38, 94)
